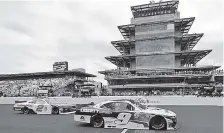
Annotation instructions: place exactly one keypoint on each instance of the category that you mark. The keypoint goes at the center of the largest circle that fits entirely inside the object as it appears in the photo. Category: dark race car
(126, 114)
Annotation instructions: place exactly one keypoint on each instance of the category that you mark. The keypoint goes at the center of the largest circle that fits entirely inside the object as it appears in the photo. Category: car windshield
(40, 102)
(140, 106)
(32, 101)
(47, 101)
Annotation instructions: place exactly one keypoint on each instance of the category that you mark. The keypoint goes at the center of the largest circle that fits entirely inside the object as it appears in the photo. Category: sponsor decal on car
(105, 111)
(17, 109)
(109, 122)
(139, 115)
(90, 110)
(82, 118)
(45, 108)
(144, 101)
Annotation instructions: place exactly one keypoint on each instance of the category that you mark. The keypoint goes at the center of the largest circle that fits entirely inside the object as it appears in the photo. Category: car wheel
(157, 123)
(26, 110)
(55, 110)
(97, 121)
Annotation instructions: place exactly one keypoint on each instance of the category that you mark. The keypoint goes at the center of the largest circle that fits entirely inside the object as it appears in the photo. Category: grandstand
(157, 54)
(27, 84)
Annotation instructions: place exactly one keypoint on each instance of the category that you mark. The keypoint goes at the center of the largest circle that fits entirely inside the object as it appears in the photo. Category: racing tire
(55, 110)
(97, 121)
(26, 110)
(157, 123)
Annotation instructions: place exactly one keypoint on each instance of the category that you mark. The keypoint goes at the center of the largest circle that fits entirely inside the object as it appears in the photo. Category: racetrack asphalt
(191, 119)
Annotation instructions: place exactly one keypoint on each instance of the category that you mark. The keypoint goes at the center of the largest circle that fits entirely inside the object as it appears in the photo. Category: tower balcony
(157, 75)
(182, 26)
(185, 57)
(186, 42)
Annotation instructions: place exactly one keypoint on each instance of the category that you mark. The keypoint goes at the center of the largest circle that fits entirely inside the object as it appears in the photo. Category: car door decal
(123, 118)
(40, 108)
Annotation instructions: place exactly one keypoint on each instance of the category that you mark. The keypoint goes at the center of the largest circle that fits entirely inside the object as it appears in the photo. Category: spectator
(29, 87)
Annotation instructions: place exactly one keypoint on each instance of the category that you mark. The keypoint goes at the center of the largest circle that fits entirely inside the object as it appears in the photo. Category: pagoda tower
(156, 43)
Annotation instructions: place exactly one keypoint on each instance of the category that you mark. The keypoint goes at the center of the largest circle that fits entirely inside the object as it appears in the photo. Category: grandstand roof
(86, 85)
(45, 74)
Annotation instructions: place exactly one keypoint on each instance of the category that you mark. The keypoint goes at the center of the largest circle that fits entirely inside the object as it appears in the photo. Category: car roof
(124, 100)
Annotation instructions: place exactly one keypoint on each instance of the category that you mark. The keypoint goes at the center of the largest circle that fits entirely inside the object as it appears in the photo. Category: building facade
(157, 52)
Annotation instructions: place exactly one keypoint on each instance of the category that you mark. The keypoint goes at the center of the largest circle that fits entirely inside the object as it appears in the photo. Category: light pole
(184, 86)
(185, 83)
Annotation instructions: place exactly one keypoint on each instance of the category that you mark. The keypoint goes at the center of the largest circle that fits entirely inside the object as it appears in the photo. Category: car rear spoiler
(78, 106)
(19, 101)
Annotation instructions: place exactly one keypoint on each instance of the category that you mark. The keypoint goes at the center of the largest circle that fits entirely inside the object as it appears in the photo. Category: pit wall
(150, 100)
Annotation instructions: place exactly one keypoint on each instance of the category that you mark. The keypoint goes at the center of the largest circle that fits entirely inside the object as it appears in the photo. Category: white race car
(43, 106)
(127, 114)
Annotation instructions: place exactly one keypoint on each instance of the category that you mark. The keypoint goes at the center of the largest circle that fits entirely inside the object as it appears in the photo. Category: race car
(127, 114)
(43, 106)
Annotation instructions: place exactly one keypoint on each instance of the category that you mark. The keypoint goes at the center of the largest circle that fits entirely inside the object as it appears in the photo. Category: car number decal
(123, 118)
(40, 108)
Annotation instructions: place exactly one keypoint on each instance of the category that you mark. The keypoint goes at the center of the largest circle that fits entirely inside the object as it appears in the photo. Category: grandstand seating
(125, 74)
(29, 87)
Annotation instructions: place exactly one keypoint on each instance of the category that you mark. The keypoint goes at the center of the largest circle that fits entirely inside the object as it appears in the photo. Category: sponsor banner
(42, 91)
(60, 66)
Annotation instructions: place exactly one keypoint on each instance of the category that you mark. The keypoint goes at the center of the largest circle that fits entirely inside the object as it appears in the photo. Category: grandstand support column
(124, 63)
(19, 89)
(184, 86)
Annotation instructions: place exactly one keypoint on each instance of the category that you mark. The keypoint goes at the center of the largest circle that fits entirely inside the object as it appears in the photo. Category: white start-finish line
(139, 131)
(124, 131)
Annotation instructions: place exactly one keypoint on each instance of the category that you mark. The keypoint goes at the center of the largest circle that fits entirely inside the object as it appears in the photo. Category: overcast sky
(34, 35)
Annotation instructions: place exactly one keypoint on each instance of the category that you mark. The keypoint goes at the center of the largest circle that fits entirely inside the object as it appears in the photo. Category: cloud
(36, 34)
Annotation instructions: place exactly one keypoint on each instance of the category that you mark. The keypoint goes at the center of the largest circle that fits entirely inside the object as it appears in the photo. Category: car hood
(159, 111)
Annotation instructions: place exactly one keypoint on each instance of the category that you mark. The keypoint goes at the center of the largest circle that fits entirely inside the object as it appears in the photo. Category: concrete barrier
(148, 100)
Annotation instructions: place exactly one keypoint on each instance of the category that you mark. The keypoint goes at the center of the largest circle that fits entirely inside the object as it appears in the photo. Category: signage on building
(60, 66)
(42, 91)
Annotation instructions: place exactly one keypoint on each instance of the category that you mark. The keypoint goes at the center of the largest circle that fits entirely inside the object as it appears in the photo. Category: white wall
(150, 100)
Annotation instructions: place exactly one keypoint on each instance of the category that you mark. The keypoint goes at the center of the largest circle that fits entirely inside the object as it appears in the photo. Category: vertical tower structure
(156, 42)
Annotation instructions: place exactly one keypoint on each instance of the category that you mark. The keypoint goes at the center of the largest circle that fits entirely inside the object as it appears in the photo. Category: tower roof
(151, 9)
